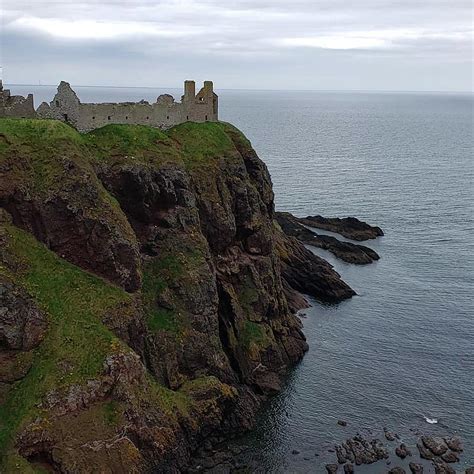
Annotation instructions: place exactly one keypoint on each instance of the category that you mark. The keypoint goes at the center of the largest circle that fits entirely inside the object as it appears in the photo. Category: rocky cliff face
(147, 296)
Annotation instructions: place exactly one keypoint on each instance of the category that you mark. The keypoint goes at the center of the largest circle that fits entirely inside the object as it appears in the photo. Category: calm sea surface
(402, 351)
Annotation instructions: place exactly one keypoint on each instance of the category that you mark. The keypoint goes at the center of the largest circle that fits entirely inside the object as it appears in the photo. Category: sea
(400, 354)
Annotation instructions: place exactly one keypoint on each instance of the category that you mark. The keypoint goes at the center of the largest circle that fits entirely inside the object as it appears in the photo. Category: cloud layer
(301, 44)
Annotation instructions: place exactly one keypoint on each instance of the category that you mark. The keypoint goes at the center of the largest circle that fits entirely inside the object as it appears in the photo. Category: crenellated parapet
(164, 113)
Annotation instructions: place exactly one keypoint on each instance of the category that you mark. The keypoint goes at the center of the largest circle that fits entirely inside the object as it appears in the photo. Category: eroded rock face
(237, 316)
(77, 220)
(22, 328)
(307, 273)
(22, 324)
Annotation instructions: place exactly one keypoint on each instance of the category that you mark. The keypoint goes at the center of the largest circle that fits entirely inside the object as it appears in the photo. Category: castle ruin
(15, 105)
(164, 113)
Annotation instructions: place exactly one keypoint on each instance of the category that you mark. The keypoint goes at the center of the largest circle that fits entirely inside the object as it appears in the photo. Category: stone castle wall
(15, 105)
(163, 113)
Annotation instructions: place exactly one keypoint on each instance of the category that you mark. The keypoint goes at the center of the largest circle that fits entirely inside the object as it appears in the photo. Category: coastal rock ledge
(159, 294)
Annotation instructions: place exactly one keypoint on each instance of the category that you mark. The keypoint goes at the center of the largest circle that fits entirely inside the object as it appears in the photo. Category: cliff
(147, 295)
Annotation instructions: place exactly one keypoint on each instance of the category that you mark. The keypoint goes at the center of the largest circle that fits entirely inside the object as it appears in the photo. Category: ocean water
(401, 351)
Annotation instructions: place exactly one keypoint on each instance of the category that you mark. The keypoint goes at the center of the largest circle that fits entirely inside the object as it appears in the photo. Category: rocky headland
(347, 251)
(350, 227)
(147, 294)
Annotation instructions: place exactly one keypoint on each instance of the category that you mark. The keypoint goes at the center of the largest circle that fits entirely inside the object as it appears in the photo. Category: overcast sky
(258, 44)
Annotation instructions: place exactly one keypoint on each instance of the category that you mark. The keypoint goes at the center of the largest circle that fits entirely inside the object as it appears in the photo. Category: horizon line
(250, 89)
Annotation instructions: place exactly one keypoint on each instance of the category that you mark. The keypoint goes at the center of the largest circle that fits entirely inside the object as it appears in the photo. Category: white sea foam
(431, 421)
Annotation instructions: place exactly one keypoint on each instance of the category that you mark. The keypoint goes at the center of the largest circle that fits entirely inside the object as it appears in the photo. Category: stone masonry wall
(163, 113)
(15, 105)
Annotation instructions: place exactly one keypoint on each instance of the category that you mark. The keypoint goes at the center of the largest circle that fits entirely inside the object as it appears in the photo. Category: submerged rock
(389, 436)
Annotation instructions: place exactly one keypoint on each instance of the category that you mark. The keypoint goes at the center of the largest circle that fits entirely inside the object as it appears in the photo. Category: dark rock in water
(348, 468)
(425, 453)
(454, 443)
(435, 444)
(295, 451)
(450, 456)
(396, 470)
(442, 468)
(349, 252)
(402, 451)
(332, 468)
(342, 422)
(349, 227)
(341, 454)
(389, 436)
(306, 273)
(361, 451)
(416, 468)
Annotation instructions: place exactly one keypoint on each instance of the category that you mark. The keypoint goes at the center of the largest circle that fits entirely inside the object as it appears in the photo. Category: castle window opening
(65, 117)
(126, 117)
(201, 99)
(187, 117)
(93, 118)
(167, 117)
(57, 103)
(108, 118)
(148, 118)
(206, 117)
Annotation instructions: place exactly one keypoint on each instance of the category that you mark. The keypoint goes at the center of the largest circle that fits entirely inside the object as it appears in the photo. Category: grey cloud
(241, 43)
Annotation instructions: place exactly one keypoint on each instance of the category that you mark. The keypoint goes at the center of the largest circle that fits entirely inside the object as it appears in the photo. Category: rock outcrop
(347, 251)
(349, 227)
(143, 275)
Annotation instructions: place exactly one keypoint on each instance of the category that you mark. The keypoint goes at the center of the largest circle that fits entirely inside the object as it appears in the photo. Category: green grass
(132, 143)
(112, 412)
(162, 273)
(202, 143)
(158, 274)
(162, 319)
(253, 334)
(247, 295)
(76, 342)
